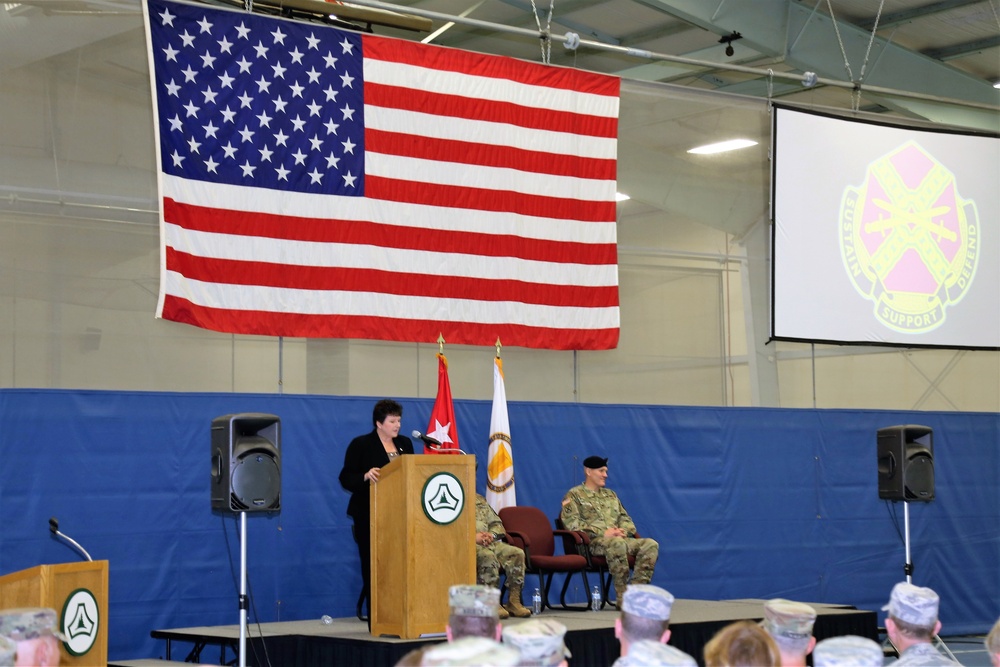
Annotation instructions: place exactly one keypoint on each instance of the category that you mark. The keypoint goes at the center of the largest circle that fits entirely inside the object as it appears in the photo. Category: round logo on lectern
(443, 498)
(80, 621)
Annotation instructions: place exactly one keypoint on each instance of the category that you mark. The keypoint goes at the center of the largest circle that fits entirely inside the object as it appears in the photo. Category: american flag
(318, 182)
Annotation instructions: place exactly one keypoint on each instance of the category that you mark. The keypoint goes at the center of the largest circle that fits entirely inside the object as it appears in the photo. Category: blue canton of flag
(249, 100)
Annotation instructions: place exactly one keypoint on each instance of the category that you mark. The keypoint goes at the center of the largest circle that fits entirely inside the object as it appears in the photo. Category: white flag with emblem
(500, 472)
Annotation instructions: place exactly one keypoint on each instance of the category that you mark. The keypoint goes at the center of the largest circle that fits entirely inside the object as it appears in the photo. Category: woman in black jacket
(364, 457)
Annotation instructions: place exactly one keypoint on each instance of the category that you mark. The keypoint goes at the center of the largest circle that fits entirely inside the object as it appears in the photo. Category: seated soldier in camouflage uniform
(492, 554)
(596, 510)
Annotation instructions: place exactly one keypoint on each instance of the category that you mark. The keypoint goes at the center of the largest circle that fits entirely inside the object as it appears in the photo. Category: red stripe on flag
(384, 328)
(235, 272)
(291, 228)
(453, 60)
(483, 199)
(487, 155)
(439, 104)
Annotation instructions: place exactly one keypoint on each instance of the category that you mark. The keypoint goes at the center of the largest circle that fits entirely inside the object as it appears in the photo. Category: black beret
(595, 462)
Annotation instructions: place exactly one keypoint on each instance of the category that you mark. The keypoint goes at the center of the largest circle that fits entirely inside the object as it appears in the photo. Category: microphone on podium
(426, 438)
(54, 529)
(435, 444)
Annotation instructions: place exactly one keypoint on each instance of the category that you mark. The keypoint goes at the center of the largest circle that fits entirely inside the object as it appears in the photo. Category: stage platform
(590, 636)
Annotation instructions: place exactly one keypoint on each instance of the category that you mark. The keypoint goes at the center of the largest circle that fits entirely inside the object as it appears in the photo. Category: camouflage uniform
(499, 554)
(593, 512)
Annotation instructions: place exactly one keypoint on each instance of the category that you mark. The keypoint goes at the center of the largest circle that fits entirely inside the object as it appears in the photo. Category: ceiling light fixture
(723, 146)
(621, 196)
(997, 84)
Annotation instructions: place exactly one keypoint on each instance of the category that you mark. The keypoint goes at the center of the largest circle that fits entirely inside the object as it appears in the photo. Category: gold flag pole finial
(440, 342)
(498, 347)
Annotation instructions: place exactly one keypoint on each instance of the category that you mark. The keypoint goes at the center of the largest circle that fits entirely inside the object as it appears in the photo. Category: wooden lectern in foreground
(78, 592)
(423, 513)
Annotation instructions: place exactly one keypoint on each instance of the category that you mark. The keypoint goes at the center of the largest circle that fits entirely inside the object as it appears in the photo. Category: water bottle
(536, 602)
(595, 599)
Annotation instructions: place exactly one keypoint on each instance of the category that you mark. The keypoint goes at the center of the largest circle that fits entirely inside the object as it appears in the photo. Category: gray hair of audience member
(790, 624)
(916, 606)
(471, 652)
(847, 651)
(540, 641)
(993, 643)
(8, 649)
(646, 653)
(742, 644)
(475, 611)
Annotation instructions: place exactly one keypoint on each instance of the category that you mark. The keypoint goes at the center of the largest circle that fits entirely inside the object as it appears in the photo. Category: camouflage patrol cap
(474, 600)
(647, 601)
(913, 604)
(789, 623)
(595, 462)
(7, 651)
(478, 651)
(647, 653)
(847, 651)
(540, 641)
(29, 623)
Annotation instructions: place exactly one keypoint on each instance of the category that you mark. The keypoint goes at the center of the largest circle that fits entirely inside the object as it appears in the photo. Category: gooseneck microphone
(435, 444)
(54, 529)
(426, 438)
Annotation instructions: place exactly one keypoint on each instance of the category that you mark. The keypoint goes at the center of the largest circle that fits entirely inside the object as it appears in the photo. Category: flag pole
(498, 347)
(440, 342)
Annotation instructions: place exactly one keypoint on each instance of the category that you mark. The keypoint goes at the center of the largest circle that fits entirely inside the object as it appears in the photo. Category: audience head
(847, 651)
(645, 615)
(470, 652)
(7, 651)
(540, 642)
(913, 612)
(475, 612)
(34, 632)
(790, 625)
(742, 644)
(645, 653)
(993, 644)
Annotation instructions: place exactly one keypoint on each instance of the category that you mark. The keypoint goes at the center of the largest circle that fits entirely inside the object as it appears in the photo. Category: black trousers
(362, 536)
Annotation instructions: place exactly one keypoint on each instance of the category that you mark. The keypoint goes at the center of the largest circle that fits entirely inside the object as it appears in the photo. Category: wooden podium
(64, 587)
(423, 513)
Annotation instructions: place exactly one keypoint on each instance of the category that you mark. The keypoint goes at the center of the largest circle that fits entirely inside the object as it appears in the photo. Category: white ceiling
(935, 50)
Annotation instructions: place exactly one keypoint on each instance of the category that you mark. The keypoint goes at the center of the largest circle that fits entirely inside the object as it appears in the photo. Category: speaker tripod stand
(243, 590)
(908, 570)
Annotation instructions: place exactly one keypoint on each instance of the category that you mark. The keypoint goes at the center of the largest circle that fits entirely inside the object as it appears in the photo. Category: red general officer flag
(441, 426)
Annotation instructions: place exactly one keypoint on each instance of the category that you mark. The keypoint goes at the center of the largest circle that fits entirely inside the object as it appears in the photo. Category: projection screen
(884, 235)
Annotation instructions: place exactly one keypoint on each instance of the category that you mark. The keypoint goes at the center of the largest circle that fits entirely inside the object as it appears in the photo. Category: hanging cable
(544, 33)
(843, 51)
(871, 40)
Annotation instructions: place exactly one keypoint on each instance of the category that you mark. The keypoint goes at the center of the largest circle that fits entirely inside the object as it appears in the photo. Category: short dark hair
(913, 630)
(637, 628)
(473, 626)
(384, 408)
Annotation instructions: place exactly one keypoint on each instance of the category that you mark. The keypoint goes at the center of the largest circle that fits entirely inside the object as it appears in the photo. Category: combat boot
(502, 613)
(514, 605)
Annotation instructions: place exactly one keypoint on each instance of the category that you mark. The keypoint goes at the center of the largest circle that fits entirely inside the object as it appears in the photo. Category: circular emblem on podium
(443, 498)
(80, 621)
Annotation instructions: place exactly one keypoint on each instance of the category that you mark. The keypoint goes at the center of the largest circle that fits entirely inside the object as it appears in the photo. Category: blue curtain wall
(745, 502)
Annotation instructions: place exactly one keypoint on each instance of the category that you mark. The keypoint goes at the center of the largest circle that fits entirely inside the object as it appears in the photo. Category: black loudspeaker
(246, 463)
(906, 463)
